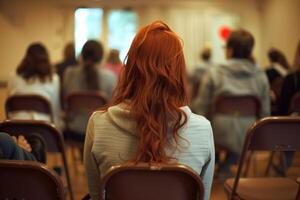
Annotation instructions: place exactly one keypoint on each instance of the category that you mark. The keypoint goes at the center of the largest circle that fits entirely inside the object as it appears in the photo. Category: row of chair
(238, 103)
(268, 134)
(75, 103)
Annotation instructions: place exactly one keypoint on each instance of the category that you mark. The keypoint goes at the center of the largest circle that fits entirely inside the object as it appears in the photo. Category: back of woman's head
(241, 43)
(154, 82)
(69, 52)
(35, 64)
(297, 57)
(276, 56)
(92, 53)
(114, 57)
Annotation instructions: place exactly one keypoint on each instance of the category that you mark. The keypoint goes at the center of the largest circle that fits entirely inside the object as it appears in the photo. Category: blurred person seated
(200, 69)
(238, 76)
(148, 119)
(90, 75)
(278, 65)
(18, 148)
(35, 76)
(69, 60)
(290, 86)
(113, 62)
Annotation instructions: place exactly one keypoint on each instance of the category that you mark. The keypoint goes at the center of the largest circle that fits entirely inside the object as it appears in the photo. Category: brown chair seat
(265, 188)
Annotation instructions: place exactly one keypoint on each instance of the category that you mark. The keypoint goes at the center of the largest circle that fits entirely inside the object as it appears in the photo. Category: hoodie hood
(240, 67)
(121, 117)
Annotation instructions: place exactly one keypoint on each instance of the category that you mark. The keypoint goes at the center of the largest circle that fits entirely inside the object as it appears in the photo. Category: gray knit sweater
(111, 139)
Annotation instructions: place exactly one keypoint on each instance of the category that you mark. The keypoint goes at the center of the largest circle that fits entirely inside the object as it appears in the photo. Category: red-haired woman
(148, 119)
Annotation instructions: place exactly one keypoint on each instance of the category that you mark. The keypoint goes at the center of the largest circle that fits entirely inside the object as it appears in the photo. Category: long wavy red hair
(154, 82)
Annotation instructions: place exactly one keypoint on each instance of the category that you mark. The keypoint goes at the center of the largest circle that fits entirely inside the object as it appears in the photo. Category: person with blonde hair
(113, 62)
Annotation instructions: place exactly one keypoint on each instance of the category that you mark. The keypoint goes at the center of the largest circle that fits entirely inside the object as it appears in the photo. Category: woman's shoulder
(98, 116)
(199, 121)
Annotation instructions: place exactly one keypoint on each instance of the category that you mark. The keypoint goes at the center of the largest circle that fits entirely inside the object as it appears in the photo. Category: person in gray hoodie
(238, 76)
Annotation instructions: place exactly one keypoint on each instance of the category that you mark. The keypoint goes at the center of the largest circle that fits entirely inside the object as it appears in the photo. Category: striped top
(111, 139)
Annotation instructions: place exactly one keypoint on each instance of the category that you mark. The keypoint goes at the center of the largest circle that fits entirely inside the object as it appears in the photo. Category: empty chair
(29, 103)
(29, 180)
(79, 106)
(151, 181)
(53, 139)
(268, 134)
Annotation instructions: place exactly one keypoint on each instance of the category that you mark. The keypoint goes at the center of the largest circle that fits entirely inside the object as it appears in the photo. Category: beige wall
(23, 22)
(51, 22)
(280, 26)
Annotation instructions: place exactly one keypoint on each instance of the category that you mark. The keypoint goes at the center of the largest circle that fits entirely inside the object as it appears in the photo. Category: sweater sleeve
(91, 167)
(207, 172)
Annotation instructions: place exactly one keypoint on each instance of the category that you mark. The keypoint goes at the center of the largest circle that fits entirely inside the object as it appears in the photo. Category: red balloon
(224, 32)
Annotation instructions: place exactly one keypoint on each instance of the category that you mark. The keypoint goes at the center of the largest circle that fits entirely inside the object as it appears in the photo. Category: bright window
(88, 25)
(122, 25)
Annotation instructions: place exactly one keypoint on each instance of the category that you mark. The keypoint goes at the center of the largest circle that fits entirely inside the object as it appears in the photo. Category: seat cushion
(264, 188)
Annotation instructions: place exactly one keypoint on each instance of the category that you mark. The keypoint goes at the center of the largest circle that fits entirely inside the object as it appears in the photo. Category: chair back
(152, 181)
(86, 102)
(29, 180)
(270, 134)
(52, 137)
(295, 103)
(28, 102)
(245, 105)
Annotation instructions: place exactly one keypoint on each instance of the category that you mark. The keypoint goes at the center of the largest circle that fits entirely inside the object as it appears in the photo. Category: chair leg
(67, 175)
(74, 159)
(283, 163)
(270, 163)
(248, 161)
(255, 165)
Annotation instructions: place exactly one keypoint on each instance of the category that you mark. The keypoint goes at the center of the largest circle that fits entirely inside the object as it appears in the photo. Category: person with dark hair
(238, 76)
(113, 62)
(68, 61)
(278, 65)
(88, 76)
(35, 76)
(148, 119)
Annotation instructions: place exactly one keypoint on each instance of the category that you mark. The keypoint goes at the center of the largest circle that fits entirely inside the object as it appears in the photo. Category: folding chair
(295, 104)
(28, 102)
(240, 106)
(294, 110)
(29, 180)
(54, 140)
(84, 104)
(268, 134)
(151, 181)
